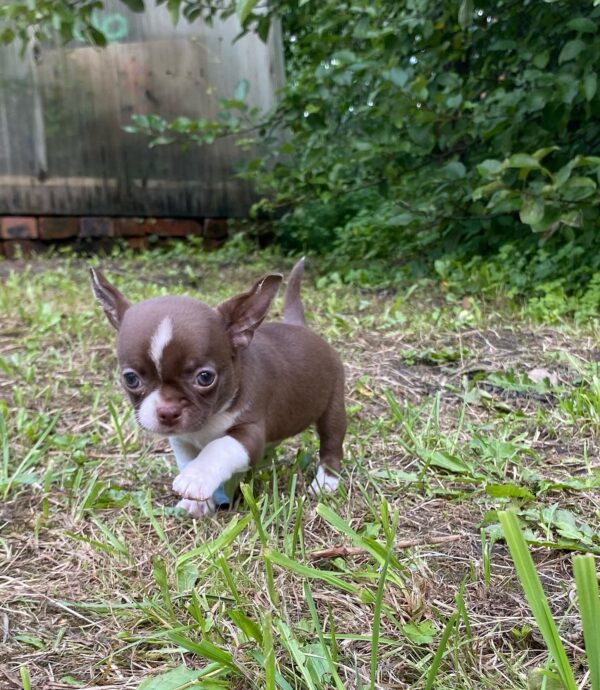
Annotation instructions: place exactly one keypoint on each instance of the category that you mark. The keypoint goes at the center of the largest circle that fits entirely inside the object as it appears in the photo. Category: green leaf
(590, 85)
(454, 101)
(532, 210)
(174, 7)
(134, 5)
(571, 50)
(448, 462)
(397, 76)
(420, 633)
(551, 215)
(563, 174)
(540, 60)
(96, 36)
(583, 25)
(540, 154)
(578, 188)
(401, 220)
(180, 677)
(465, 14)
(508, 491)
(241, 90)
(249, 627)
(454, 170)
(573, 219)
(490, 167)
(522, 161)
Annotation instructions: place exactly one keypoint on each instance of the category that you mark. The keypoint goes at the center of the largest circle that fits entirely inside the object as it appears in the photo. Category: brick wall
(32, 234)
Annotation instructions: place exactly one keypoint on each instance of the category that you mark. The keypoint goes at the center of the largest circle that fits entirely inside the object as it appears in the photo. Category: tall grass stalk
(536, 598)
(586, 581)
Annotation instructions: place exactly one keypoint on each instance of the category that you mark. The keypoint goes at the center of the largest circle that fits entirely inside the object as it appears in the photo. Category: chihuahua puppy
(222, 385)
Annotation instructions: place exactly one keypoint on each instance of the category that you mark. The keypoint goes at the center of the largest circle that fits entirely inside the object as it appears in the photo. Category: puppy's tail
(293, 310)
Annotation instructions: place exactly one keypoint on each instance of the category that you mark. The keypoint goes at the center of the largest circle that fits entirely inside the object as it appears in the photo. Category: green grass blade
(262, 535)
(204, 649)
(269, 652)
(536, 597)
(317, 623)
(226, 537)
(586, 581)
(309, 572)
(25, 679)
(379, 602)
(376, 550)
(291, 643)
(439, 655)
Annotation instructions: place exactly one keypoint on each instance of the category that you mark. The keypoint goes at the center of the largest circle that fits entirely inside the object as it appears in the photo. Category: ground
(104, 585)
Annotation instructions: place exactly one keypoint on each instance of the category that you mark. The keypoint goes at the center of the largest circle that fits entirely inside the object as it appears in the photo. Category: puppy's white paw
(197, 509)
(323, 483)
(194, 486)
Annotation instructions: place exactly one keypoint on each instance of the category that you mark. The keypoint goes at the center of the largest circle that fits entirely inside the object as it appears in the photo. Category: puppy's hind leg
(331, 427)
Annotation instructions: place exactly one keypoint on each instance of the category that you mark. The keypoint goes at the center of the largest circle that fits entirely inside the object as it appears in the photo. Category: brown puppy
(221, 386)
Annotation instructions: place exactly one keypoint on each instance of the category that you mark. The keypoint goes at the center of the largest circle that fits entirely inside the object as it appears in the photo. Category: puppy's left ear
(244, 313)
(112, 301)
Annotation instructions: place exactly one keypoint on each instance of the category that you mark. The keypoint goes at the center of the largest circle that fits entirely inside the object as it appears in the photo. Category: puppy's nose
(168, 415)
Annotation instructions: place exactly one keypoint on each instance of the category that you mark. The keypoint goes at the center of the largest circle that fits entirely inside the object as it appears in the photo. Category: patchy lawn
(104, 585)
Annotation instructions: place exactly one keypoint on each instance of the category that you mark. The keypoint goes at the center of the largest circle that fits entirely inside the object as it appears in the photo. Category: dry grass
(441, 413)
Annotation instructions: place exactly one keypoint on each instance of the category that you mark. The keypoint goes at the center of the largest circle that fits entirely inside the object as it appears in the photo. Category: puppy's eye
(132, 380)
(205, 377)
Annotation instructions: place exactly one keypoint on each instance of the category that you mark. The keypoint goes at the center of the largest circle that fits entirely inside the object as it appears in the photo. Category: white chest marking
(161, 338)
(187, 446)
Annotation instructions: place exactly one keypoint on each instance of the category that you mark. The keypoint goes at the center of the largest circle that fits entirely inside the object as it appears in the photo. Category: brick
(180, 227)
(18, 228)
(216, 228)
(91, 226)
(14, 249)
(58, 227)
(134, 227)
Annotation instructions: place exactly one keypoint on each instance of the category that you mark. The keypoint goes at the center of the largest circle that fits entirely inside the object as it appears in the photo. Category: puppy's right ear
(112, 301)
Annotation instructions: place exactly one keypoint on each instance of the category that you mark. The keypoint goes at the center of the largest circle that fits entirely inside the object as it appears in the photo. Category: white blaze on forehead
(161, 338)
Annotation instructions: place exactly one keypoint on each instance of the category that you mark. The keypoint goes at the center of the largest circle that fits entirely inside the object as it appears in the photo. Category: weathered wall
(62, 146)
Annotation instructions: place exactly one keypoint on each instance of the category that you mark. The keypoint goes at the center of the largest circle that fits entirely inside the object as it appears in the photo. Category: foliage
(424, 125)
(589, 603)
(42, 19)
(411, 130)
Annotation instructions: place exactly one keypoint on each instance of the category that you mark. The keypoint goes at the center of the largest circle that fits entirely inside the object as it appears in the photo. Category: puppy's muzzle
(169, 415)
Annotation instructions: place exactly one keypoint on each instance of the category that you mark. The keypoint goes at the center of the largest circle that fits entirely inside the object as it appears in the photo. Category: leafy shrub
(410, 130)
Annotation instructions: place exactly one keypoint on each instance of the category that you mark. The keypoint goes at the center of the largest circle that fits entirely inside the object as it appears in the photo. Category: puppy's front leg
(218, 462)
(185, 453)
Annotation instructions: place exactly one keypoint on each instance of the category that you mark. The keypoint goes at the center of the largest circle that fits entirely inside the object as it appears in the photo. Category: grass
(104, 585)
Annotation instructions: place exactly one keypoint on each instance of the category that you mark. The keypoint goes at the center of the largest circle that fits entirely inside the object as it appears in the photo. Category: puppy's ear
(244, 313)
(112, 301)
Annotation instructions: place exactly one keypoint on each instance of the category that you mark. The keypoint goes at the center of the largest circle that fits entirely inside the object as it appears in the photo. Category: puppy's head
(178, 356)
